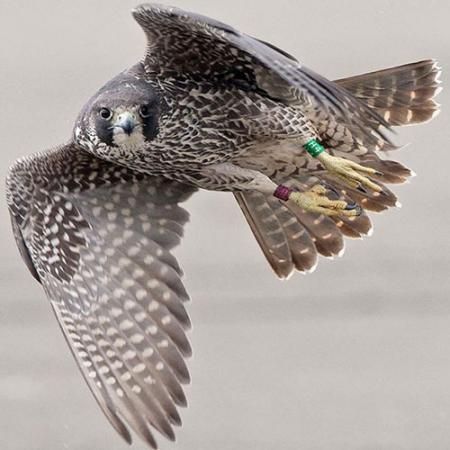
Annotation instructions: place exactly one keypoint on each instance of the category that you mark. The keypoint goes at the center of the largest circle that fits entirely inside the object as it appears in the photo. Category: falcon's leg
(230, 177)
(348, 171)
(301, 131)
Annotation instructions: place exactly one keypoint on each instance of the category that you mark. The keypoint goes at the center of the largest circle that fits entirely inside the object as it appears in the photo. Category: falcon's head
(121, 118)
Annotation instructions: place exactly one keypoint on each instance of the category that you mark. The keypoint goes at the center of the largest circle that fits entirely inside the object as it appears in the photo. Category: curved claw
(333, 190)
(352, 173)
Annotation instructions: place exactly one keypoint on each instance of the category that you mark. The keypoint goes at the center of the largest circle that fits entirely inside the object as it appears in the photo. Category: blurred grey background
(354, 356)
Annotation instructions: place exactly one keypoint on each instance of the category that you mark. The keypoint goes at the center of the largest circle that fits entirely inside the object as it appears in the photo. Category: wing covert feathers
(181, 42)
(355, 113)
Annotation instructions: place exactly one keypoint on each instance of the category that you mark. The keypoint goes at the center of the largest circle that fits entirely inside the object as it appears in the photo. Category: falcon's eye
(105, 113)
(144, 111)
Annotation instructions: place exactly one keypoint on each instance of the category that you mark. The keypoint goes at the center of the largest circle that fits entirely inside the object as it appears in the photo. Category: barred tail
(282, 238)
(291, 238)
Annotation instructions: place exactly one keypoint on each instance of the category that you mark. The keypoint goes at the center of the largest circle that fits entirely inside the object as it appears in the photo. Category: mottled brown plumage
(209, 107)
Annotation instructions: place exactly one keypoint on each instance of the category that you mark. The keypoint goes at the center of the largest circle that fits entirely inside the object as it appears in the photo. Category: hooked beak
(127, 122)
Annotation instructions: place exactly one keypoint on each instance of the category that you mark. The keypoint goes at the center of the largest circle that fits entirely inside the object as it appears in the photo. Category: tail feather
(267, 230)
(355, 227)
(402, 95)
(300, 243)
(283, 240)
(292, 238)
(393, 171)
(326, 236)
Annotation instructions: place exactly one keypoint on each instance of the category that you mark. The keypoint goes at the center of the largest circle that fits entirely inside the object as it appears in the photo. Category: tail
(291, 239)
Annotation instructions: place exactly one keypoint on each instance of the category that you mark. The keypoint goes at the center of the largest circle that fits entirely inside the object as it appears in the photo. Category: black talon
(360, 188)
(380, 174)
(351, 206)
(331, 188)
(354, 207)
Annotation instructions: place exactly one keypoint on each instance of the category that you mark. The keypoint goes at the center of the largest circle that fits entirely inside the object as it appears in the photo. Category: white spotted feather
(101, 248)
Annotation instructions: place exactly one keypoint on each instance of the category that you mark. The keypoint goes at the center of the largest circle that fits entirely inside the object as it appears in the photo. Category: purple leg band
(282, 192)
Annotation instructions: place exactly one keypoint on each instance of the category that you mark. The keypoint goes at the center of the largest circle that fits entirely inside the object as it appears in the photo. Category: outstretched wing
(98, 237)
(184, 43)
(403, 95)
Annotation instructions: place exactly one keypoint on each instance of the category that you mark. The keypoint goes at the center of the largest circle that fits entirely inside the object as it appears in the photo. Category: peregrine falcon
(208, 107)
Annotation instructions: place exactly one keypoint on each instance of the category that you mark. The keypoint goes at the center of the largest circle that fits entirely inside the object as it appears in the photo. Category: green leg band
(314, 148)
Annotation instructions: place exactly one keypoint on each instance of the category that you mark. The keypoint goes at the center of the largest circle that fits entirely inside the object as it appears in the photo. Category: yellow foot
(315, 201)
(350, 171)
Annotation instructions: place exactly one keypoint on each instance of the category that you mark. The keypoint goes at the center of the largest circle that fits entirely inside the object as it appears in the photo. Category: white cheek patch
(134, 140)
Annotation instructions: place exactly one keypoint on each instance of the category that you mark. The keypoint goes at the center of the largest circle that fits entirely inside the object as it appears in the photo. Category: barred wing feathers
(180, 42)
(99, 238)
(403, 95)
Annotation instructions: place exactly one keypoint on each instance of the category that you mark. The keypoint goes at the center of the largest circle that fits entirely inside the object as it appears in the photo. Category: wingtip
(126, 436)
(144, 7)
(153, 7)
(137, 8)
